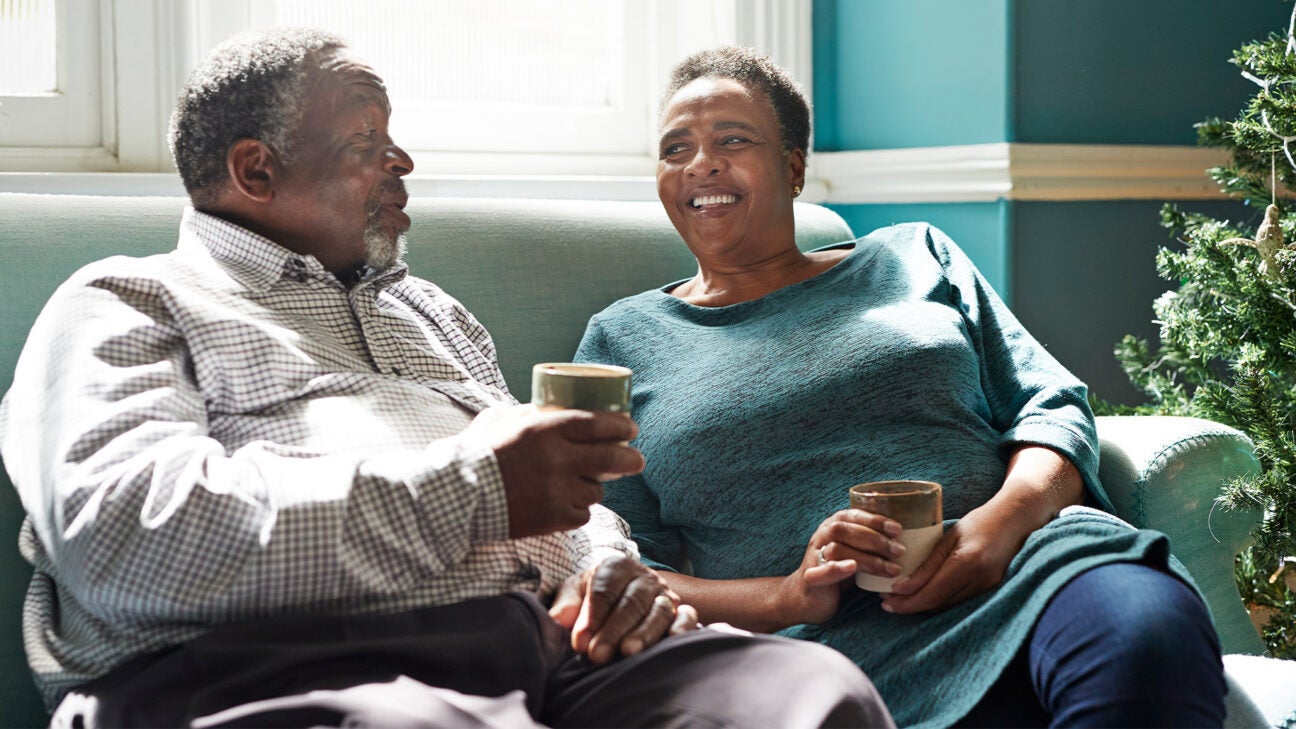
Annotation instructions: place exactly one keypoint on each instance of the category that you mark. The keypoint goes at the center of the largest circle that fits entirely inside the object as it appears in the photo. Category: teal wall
(1130, 71)
(917, 73)
(1086, 276)
(929, 73)
(977, 227)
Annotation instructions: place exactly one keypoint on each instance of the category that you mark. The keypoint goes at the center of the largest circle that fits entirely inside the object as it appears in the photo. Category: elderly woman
(773, 379)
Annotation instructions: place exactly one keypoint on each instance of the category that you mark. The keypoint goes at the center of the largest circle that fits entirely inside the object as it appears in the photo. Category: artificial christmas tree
(1227, 349)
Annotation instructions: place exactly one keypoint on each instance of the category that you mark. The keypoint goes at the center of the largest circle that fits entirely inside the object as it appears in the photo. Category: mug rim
(564, 369)
(919, 487)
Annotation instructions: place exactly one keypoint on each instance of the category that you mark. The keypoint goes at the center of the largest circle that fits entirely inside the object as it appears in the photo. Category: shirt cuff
(478, 463)
(605, 535)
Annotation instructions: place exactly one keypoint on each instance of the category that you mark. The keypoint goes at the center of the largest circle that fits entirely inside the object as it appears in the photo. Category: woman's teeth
(714, 200)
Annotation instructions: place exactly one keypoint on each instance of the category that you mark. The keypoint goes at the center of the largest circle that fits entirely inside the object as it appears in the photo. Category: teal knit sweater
(899, 362)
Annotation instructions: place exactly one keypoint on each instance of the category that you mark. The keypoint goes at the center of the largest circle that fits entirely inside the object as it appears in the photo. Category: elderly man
(272, 479)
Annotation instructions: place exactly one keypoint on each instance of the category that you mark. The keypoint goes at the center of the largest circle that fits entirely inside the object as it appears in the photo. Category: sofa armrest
(1164, 473)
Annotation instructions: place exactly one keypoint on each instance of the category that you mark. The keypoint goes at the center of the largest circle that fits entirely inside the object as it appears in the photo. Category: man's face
(341, 196)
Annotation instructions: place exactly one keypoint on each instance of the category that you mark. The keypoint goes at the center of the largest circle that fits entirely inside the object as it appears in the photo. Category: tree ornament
(1268, 240)
(1286, 570)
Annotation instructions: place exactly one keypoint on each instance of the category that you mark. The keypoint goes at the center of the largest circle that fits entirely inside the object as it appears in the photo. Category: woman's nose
(703, 164)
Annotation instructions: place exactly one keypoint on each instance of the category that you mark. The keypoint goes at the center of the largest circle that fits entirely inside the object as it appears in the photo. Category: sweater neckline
(736, 312)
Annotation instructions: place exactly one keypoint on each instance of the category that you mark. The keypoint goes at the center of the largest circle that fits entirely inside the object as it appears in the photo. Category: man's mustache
(390, 190)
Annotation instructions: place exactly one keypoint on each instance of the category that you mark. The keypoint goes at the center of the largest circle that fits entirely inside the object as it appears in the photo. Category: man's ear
(253, 169)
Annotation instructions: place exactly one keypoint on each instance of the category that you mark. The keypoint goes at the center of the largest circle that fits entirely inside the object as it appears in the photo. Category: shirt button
(396, 371)
(301, 278)
(299, 263)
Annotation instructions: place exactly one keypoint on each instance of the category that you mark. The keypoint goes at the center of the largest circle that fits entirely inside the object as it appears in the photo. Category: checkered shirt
(226, 432)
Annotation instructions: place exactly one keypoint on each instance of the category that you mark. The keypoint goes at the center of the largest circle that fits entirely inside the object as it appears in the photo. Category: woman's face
(722, 174)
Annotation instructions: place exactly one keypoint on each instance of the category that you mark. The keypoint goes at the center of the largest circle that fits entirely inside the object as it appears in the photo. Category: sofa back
(532, 271)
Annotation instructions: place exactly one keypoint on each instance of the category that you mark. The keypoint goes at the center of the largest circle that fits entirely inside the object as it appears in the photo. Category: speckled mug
(581, 386)
(917, 506)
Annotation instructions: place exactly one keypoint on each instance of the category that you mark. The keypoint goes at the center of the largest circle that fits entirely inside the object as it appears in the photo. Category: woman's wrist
(782, 606)
(756, 604)
(1041, 482)
(1008, 519)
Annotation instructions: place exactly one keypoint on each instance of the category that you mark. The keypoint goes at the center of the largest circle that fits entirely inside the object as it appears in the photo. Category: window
(480, 87)
(552, 76)
(28, 59)
(50, 89)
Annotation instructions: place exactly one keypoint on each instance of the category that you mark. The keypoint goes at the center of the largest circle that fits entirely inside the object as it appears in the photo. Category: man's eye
(729, 141)
(672, 150)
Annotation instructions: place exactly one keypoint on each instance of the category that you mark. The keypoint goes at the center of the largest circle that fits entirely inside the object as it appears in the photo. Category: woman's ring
(822, 559)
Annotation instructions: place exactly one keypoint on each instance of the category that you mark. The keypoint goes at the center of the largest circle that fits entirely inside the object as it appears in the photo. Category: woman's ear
(796, 160)
(253, 169)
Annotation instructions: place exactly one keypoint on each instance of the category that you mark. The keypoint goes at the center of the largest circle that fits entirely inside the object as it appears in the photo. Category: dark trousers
(504, 646)
(1122, 645)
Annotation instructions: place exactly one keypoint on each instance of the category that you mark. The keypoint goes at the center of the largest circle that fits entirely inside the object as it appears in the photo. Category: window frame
(68, 123)
(138, 36)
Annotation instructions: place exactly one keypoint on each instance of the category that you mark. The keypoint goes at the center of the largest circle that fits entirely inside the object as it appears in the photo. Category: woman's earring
(796, 190)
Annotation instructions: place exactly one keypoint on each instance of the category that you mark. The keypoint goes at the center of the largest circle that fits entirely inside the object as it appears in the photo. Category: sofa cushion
(533, 271)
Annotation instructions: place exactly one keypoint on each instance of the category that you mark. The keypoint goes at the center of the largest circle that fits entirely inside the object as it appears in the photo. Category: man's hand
(553, 461)
(619, 606)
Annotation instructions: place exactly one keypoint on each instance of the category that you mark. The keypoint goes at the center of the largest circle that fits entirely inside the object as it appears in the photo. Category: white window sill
(135, 184)
(974, 173)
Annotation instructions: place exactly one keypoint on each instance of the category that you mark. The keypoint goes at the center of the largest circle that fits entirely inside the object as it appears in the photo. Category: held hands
(619, 606)
(552, 462)
(850, 540)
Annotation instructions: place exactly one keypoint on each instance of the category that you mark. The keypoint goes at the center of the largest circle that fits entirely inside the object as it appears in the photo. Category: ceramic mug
(917, 506)
(581, 386)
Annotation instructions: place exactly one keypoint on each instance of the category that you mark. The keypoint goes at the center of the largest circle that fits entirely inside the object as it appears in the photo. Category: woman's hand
(973, 556)
(970, 559)
(846, 542)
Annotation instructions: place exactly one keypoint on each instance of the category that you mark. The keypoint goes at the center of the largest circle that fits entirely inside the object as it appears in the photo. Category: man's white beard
(382, 252)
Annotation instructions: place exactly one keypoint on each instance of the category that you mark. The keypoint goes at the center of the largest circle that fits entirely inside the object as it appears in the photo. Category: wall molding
(968, 173)
(989, 172)
(556, 187)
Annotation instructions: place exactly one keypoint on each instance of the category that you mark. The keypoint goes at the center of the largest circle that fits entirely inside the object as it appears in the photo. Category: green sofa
(533, 271)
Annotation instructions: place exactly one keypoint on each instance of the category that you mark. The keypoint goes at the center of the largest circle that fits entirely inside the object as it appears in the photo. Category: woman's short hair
(252, 86)
(754, 71)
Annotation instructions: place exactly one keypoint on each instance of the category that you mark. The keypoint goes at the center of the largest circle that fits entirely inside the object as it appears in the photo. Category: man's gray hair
(252, 86)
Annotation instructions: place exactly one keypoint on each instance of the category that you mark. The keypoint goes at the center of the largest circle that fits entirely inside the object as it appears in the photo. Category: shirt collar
(258, 262)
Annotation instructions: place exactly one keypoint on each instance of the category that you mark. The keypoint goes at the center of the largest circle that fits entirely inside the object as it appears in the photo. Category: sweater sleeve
(1033, 399)
(660, 547)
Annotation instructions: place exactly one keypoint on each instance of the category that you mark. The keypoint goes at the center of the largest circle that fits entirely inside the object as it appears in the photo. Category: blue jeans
(1122, 645)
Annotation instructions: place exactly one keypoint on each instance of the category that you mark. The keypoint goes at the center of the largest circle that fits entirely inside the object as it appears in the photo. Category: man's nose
(397, 162)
